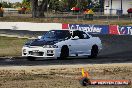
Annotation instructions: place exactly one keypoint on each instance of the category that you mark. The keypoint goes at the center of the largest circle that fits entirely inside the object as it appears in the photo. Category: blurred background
(106, 10)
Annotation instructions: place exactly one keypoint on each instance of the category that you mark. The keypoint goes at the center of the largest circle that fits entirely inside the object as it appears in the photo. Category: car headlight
(24, 50)
(50, 46)
(26, 45)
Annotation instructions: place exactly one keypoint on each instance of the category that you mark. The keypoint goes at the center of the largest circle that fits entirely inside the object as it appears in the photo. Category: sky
(15, 0)
(12, 0)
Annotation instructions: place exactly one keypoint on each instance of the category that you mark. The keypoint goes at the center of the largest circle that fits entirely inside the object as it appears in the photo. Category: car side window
(85, 36)
(80, 34)
(77, 33)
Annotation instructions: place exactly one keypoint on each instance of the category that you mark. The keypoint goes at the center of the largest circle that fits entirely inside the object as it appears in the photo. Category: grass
(11, 46)
(63, 20)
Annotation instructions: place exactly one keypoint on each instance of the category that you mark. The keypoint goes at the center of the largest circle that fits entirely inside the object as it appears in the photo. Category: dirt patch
(61, 76)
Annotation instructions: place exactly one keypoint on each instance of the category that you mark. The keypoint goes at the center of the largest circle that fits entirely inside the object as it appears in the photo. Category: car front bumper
(41, 52)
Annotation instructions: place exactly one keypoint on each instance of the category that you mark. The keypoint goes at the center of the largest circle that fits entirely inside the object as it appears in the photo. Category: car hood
(40, 42)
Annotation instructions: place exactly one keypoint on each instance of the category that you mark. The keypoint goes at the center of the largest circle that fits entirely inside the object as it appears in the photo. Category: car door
(77, 45)
(80, 46)
(74, 44)
(86, 43)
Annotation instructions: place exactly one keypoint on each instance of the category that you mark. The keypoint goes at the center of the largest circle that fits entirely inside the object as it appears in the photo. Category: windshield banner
(93, 29)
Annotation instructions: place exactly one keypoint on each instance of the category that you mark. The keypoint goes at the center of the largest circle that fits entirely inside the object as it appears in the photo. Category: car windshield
(57, 34)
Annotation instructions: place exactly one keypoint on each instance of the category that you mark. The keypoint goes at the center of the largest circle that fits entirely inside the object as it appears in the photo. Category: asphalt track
(116, 49)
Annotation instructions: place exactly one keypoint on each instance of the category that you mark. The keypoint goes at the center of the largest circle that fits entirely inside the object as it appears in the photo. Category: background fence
(98, 15)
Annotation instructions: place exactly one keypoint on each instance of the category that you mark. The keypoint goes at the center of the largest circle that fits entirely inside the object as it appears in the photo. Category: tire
(31, 58)
(85, 81)
(94, 52)
(64, 52)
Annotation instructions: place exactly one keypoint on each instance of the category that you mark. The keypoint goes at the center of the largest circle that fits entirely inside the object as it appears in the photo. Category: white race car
(62, 44)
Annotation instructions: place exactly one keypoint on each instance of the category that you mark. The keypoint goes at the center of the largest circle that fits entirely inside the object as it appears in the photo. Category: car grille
(36, 53)
(50, 54)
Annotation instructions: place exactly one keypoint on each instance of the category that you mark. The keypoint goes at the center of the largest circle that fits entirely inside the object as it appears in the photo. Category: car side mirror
(39, 37)
(75, 38)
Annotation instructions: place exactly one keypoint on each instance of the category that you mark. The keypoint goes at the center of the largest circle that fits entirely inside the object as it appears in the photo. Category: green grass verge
(11, 46)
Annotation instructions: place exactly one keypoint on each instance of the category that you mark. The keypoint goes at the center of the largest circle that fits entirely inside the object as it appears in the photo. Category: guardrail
(30, 26)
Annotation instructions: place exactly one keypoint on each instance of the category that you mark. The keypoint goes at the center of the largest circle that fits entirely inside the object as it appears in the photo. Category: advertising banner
(125, 30)
(93, 29)
(100, 29)
(113, 29)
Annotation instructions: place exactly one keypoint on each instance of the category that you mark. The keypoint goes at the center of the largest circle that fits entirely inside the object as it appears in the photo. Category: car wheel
(94, 52)
(31, 58)
(64, 52)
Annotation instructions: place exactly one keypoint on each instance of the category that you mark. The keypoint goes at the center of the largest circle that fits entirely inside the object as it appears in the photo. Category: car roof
(71, 30)
(66, 29)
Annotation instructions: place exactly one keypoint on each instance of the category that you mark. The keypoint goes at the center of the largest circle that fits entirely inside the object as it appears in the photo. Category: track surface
(116, 49)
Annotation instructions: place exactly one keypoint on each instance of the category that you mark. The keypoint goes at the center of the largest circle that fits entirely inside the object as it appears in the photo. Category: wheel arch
(95, 46)
(94, 51)
(65, 46)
